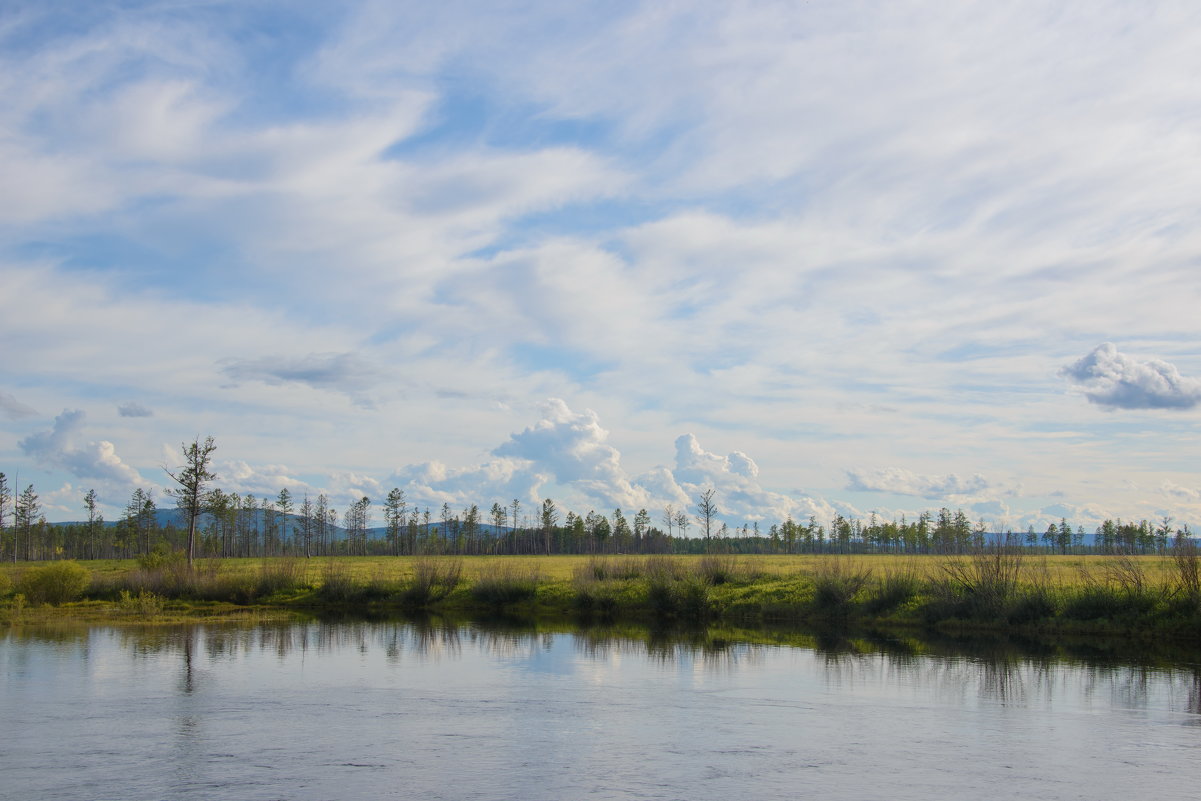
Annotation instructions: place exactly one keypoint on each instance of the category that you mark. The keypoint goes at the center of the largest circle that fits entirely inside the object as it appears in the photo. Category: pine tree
(192, 479)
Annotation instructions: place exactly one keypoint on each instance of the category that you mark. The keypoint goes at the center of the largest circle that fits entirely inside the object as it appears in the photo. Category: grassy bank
(996, 590)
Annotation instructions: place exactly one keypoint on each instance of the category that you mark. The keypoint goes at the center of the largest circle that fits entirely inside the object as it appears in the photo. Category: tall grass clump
(981, 587)
(337, 586)
(664, 569)
(714, 570)
(1123, 590)
(281, 576)
(432, 581)
(1186, 572)
(895, 588)
(208, 580)
(673, 590)
(592, 595)
(1034, 599)
(988, 578)
(6, 585)
(686, 598)
(509, 585)
(55, 583)
(598, 569)
(835, 585)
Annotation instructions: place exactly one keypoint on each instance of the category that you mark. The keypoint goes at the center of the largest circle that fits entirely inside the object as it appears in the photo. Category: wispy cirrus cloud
(15, 410)
(905, 482)
(781, 227)
(347, 373)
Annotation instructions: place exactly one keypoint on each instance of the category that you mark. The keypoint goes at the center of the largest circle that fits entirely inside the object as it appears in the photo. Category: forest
(230, 525)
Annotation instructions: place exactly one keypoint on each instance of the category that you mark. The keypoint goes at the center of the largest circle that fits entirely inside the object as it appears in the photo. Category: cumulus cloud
(13, 409)
(566, 455)
(60, 447)
(134, 409)
(241, 477)
(430, 484)
(1114, 380)
(338, 372)
(571, 448)
(904, 482)
(734, 477)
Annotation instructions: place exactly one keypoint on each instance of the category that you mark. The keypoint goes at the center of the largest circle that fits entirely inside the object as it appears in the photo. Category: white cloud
(235, 475)
(808, 229)
(904, 482)
(566, 454)
(570, 447)
(1116, 381)
(60, 447)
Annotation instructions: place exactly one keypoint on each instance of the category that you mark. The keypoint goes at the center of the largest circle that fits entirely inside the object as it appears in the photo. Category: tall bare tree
(5, 498)
(192, 477)
(706, 511)
(306, 525)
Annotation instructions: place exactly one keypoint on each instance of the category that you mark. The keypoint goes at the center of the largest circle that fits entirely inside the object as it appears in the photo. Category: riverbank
(999, 591)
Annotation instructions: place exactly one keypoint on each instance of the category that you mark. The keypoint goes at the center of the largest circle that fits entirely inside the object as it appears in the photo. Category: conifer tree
(193, 477)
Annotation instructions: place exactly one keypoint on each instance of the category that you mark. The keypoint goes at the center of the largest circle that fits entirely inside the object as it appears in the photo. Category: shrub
(6, 585)
(55, 583)
(145, 604)
(161, 556)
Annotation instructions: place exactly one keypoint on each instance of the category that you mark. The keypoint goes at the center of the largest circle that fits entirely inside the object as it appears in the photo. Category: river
(359, 710)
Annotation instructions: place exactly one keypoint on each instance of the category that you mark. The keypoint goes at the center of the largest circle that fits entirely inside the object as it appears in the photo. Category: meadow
(997, 589)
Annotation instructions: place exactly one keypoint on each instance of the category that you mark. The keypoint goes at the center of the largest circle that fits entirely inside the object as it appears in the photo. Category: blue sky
(826, 257)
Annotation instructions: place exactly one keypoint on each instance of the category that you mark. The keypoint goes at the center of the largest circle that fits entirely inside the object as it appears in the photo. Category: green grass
(1147, 596)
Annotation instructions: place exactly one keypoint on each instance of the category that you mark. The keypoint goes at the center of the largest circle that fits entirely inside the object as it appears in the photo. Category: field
(997, 589)
(1060, 570)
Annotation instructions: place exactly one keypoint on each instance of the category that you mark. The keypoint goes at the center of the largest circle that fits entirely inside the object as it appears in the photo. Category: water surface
(398, 710)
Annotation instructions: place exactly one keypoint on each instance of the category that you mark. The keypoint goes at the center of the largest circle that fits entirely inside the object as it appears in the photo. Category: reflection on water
(424, 708)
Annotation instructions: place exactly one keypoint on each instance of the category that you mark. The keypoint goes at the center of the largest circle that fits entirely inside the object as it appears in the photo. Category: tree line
(229, 525)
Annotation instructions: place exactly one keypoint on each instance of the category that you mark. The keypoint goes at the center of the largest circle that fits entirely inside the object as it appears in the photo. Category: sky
(824, 257)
